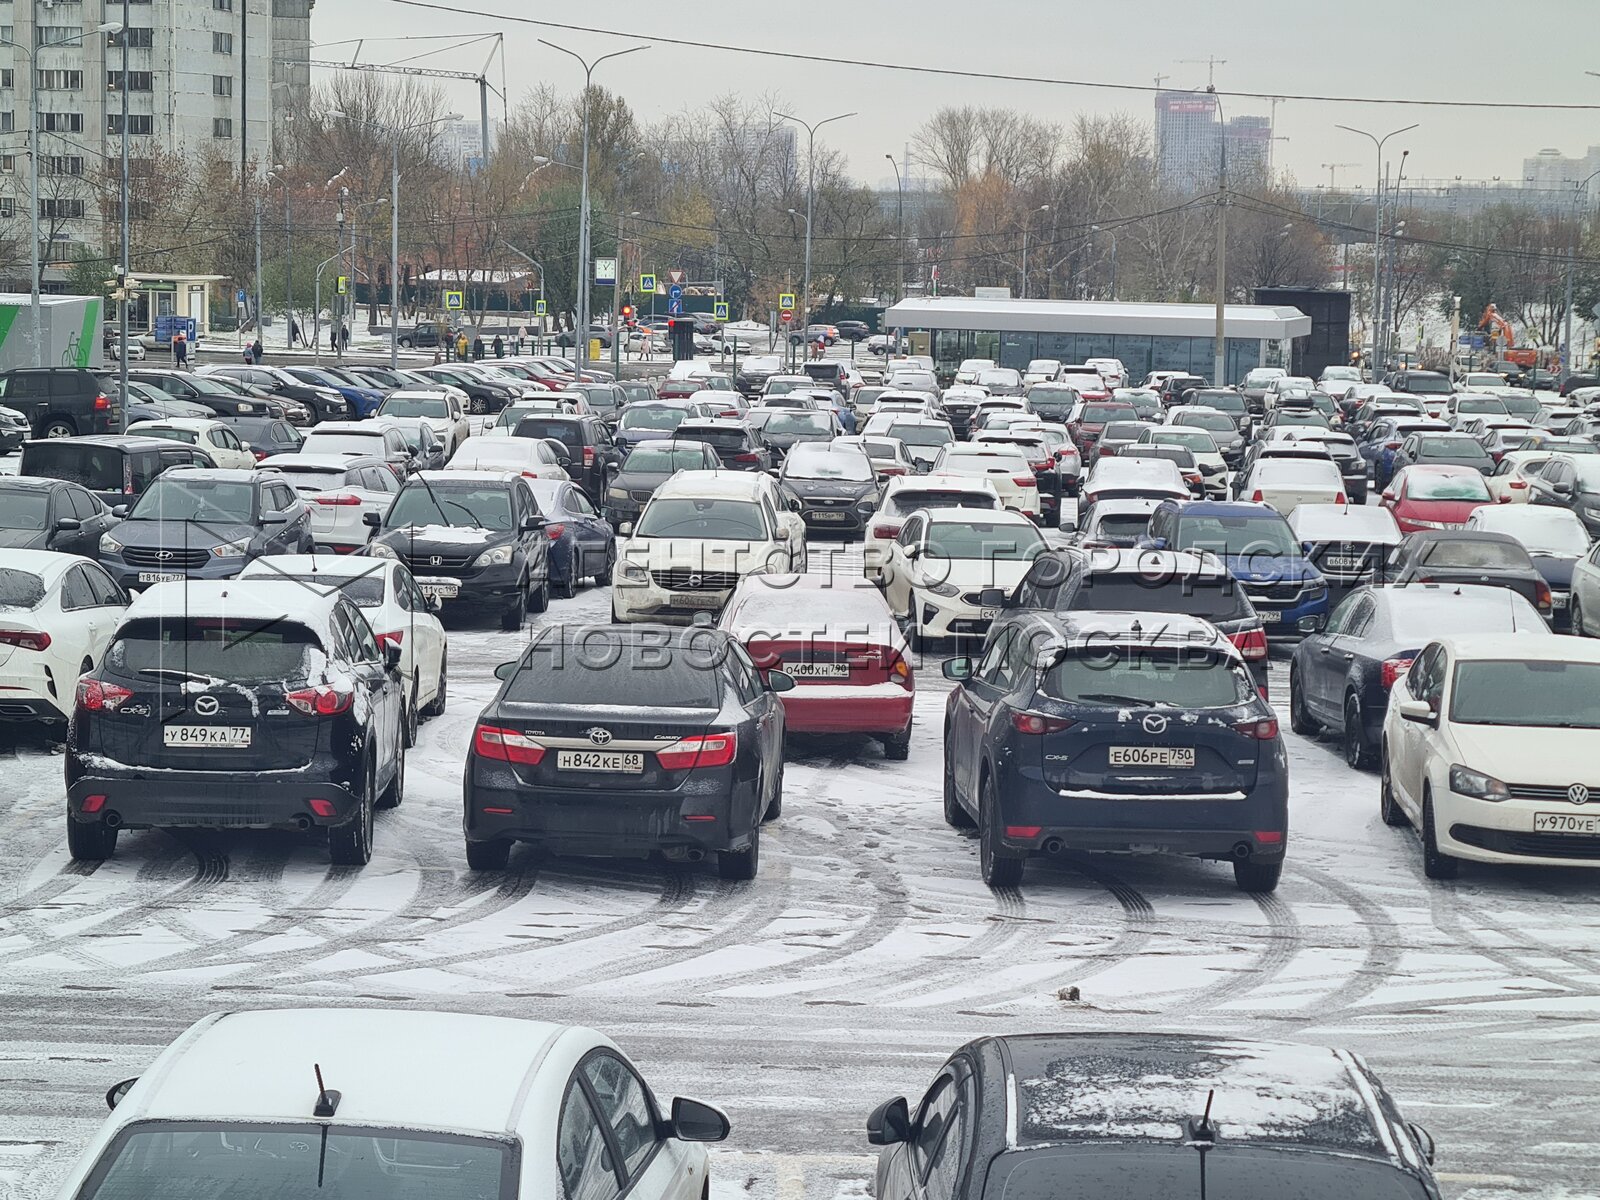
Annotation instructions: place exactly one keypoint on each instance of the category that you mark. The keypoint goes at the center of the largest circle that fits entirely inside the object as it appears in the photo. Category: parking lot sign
(452, 301)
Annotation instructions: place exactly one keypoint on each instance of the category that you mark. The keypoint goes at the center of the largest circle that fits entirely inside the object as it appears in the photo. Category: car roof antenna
(327, 1104)
(1203, 1137)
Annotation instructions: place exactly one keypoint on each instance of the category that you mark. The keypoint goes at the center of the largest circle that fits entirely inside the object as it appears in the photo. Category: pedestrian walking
(257, 350)
(344, 337)
(249, 355)
(295, 336)
(461, 347)
(499, 346)
(180, 349)
(477, 348)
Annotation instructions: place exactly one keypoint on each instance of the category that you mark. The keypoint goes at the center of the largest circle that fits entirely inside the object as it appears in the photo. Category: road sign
(719, 311)
(605, 270)
(675, 275)
(786, 300)
(787, 315)
(243, 296)
(647, 284)
(538, 308)
(452, 301)
(343, 285)
(674, 298)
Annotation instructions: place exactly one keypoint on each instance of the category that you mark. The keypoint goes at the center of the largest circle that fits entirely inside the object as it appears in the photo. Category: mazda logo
(207, 706)
(1155, 723)
(163, 555)
(600, 737)
(1578, 794)
(436, 561)
(695, 581)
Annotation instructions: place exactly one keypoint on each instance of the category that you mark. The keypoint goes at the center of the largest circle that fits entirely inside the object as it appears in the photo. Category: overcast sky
(1418, 49)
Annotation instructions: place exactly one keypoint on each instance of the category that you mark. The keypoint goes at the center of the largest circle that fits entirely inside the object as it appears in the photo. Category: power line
(833, 60)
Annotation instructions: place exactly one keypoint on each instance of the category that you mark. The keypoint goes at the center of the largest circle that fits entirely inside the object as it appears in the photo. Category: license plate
(816, 670)
(1559, 599)
(988, 614)
(1269, 616)
(444, 590)
(695, 600)
(1152, 756)
(1588, 824)
(160, 577)
(1344, 562)
(233, 737)
(829, 516)
(618, 761)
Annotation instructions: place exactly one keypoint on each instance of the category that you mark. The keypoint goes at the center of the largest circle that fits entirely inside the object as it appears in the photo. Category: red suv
(1089, 422)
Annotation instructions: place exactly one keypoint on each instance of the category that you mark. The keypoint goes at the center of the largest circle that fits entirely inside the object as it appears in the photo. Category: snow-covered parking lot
(866, 950)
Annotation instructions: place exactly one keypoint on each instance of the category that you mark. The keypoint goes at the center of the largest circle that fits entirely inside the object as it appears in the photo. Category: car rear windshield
(1124, 430)
(407, 406)
(984, 540)
(665, 459)
(910, 500)
(194, 1160)
(252, 651)
(1481, 404)
(98, 468)
(187, 436)
(717, 439)
(1465, 552)
(312, 479)
(921, 435)
(568, 432)
(1446, 487)
(1123, 529)
(612, 669)
(1163, 1173)
(798, 422)
(1228, 402)
(717, 520)
(364, 591)
(653, 417)
(469, 505)
(1429, 385)
(23, 510)
(1267, 535)
(819, 461)
(1142, 677)
(1198, 440)
(353, 442)
(173, 499)
(1453, 447)
(1212, 598)
(1099, 414)
(1504, 692)
(19, 589)
(1214, 422)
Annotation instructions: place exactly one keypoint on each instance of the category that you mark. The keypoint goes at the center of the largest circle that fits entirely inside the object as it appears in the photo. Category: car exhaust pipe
(1242, 850)
(303, 823)
(113, 819)
(1053, 846)
(694, 854)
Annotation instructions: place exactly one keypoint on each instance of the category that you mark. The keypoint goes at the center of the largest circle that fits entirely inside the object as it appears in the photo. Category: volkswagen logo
(694, 581)
(600, 737)
(436, 561)
(1155, 723)
(164, 555)
(207, 706)
(1578, 794)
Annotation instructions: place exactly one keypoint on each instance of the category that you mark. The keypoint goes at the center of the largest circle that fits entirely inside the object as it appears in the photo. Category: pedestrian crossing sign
(344, 285)
(719, 311)
(538, 308)
(786, 300)
(452, 301)
(647, 284)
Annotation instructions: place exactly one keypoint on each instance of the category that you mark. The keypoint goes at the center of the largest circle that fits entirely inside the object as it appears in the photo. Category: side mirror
(696, 1121)
(1424, 1141)
(274, 519)
(119, 510)
(434, 602)
(506, 669)
(794, 504)
(913, 552)
(1387, 497)
(529, 524)
(372, 520)
(890, 1122)
(780, 681)
(391, 656)
(1562, 487)
(626, 528)
(781, 534)
(1418, 710)
(1159, 543)
(68, 524)
(992, 598)
(958, 669)
(117, 1091)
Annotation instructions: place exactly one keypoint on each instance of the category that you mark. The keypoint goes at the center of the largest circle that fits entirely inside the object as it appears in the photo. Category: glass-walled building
(1146, 337)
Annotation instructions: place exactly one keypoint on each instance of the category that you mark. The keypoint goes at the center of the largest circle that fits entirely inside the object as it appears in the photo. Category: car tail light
(702, 750)
(1392, 669)
(1340, 499)
(730, 414)
(260, 454)
(322, 808)
(339, 500)
(1108, 450)
(93, 804)
(886, 531)
(25, 639)
(555, 532)
(1543, 594)
(1193, 477)
(1268, 837)
(101, 697)
(588, 456)
(506, 745)
(893, 471)
(900, 672)
(1252, 644)
(1037, 723)
(1258, 497)
(1263, 730)
(746, 458)
(395, 639)
(324, 700)
(1023, 831)
(1025, 481)
(102, 402)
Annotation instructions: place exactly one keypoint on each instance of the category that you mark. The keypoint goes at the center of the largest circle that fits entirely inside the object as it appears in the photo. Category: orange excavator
(1503, 339)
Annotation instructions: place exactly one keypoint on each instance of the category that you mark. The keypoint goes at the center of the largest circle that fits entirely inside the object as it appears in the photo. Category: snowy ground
(864, 953)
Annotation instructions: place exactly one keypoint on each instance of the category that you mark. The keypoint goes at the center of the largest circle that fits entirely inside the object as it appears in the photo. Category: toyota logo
(600, 737)
(695, 581)
(207, 706)
(164, 555)
(1155, 723)
(1578, 794)
(436, 561)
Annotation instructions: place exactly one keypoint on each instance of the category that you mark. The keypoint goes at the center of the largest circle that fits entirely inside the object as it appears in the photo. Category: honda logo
(207, 706)
(1155, 723)
(436, 561)
(600, 737)
(1578, 794)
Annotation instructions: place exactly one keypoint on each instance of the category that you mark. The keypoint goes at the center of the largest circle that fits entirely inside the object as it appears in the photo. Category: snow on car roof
(321, 462)
(1357, 522)
(1118, 1086)
(825, 607)
(741, 485)
(940, 481)
(362, 427)
(264, 600)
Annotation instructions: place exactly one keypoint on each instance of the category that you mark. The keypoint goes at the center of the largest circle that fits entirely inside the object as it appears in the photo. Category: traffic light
(680, 335)
(627, 313)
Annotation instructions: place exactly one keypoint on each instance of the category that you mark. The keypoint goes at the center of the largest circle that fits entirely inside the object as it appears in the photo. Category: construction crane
(1209, 63)
(1333, 170)
(481, 78)
(1160, 79)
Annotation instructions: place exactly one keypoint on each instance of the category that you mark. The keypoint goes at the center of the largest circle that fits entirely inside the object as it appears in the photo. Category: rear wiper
(1112, 698)
(179, 676)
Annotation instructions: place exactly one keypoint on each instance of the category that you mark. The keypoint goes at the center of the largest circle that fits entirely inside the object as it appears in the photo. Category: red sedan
(835, 637)
(1425, 496)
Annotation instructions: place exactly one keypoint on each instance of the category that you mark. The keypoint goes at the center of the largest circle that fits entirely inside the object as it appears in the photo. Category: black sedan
(647, 468)
(1464, 556)
(786, 428)
(51, 514)
(265, 436)
(474, 539)
(582, 543)
(1147, 1117)
(836, 486)
(1444, 449)
(1340, 678)
(685, 757)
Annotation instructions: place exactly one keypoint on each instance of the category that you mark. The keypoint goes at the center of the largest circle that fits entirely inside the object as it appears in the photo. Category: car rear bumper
(840, 708)
(207, 799)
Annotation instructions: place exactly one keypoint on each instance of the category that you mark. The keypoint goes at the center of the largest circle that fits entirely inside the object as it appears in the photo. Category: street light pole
(1579, 192)
(1219, 377)
(1027, 226)
(811, 187)
(900, 221)
(122, 306)
(1377, 227)
(580, 335)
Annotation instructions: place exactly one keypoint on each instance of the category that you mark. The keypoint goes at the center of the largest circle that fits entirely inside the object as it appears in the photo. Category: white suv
(1006, 467)
(440, 408)
(697, 537)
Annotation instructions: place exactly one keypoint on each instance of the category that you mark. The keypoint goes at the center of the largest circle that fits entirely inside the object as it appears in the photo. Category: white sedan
(57, 613)
(393, 605)
(1488, 749)
(215, 437)
(341, 490)
(1287, 482)
(1005, 467)
(553, 1110)
(536, 458)
(947, 569)
(904, 496)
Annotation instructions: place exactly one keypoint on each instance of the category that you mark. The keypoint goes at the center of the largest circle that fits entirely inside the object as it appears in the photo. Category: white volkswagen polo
(1488, 749)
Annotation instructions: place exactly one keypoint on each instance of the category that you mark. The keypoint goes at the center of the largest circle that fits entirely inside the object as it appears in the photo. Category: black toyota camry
(628, 740)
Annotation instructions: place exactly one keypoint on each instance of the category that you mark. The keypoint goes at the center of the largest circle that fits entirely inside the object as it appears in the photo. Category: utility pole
(900, 222)
(258, 263)
(1219, 376)
(1377, 229)
(811, 187)
(122, 305)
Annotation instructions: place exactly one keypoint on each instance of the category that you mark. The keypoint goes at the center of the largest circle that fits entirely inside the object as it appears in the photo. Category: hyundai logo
(1578, 794)
(600, 737)
(1155, 723)
(207, 706)
(163, 555)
